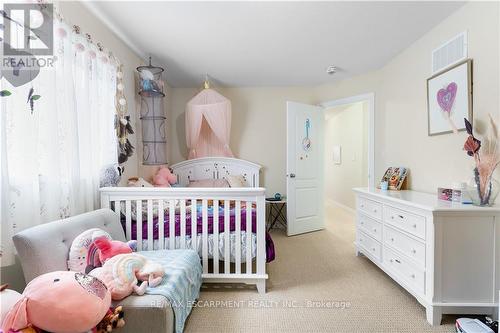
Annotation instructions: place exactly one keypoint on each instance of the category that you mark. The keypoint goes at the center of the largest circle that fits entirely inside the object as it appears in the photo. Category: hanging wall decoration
(449, 99)
(306, 143)
(122, 120)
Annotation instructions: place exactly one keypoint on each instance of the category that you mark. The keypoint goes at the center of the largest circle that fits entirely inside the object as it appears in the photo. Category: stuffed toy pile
(73, 301)
(122, 270)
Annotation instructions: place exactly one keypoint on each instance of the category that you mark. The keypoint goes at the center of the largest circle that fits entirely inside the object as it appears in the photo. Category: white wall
(259, 130)
(347, 127)
(401, 110)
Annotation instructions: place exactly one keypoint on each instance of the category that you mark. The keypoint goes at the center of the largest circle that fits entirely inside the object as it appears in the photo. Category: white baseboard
(341, 205)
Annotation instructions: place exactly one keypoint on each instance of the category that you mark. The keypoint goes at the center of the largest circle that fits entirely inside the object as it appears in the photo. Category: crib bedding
(220, 248)
(270, 252)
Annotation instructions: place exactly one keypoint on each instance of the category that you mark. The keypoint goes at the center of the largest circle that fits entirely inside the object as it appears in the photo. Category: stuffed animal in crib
(123, 272)
(79, 299)
(164, 177)
(138, 182)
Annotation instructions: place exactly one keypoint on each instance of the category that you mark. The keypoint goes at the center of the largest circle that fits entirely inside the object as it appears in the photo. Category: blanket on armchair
(181, 282)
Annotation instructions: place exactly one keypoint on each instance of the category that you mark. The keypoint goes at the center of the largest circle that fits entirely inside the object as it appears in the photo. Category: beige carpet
(350, 293)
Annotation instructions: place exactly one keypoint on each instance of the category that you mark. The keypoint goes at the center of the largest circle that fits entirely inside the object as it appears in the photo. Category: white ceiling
(269, 43)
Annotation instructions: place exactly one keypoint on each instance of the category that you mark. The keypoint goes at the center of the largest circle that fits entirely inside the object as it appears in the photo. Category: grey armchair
(45, 248)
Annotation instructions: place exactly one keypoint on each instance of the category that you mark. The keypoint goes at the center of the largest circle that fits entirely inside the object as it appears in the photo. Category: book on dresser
(445, 254)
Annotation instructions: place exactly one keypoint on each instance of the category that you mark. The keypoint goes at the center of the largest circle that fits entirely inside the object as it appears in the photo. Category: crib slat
(215, 236)
(204, 232)
(194, 221)
(237, 239)
(116, 207)
(171, 225)
(138, 219)
(128, 219)
(226, 237)
(150, 225)
(183, 223)
(249, 237)
(161, 225)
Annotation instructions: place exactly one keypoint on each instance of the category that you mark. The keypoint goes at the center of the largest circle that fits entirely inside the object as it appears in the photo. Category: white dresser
(446, 255)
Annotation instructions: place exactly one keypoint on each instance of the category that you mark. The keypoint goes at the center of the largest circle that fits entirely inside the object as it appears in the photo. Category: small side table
(277, 212)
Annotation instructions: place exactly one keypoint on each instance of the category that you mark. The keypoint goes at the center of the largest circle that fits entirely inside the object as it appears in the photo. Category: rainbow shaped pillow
(83, 253)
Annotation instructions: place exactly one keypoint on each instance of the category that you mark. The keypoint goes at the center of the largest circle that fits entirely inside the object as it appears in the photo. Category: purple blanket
(270, 254)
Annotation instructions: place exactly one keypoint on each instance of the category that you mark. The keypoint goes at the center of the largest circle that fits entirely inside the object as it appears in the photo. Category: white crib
(245, 268)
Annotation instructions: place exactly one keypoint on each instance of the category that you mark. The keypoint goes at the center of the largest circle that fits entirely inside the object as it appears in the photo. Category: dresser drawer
(403, 268)
(370, 226)
(370, 245)
(370, 208)
(410, 247)
(414, 224)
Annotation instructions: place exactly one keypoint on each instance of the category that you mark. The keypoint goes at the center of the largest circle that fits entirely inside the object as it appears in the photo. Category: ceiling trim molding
(91, 6)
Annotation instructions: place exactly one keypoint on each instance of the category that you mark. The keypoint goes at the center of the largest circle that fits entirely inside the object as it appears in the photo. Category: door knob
(292, 175)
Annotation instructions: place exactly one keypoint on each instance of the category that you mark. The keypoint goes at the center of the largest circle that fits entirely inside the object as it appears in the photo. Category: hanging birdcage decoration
(152, 115)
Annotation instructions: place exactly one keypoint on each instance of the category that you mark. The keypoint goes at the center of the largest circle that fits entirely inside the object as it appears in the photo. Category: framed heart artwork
(449, 99)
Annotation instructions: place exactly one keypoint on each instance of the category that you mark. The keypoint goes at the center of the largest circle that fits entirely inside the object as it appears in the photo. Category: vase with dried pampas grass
(486, 157)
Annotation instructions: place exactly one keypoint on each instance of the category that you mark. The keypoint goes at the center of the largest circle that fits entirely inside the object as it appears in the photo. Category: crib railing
(149, 201)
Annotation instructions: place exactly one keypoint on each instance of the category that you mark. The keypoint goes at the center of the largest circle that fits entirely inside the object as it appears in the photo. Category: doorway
(345, 152)
(307, 161)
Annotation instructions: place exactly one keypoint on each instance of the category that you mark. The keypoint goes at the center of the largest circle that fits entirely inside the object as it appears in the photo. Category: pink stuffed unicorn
(110, 248)
(164, 177)
(122, 273)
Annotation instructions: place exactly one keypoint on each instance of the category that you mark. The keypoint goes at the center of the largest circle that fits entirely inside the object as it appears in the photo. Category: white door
(304, 188)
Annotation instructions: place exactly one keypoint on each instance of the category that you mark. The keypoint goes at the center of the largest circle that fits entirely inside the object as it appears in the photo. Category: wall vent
(450, 53)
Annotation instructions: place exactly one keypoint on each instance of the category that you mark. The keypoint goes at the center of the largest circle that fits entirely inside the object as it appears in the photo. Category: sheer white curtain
(52, 157)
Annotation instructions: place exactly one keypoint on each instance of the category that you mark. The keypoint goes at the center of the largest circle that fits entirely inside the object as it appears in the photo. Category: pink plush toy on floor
(60, 302)
(164, 177)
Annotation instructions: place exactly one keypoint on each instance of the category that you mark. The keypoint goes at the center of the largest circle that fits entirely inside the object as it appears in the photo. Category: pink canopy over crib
(208, 125)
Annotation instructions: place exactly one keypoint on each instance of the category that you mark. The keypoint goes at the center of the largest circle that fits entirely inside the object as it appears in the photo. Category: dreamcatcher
(122, 120)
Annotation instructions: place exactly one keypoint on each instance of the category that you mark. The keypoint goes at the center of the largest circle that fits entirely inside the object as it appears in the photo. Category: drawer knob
(412, 276)
(414, 251)
(373, 249)
(397, 260)
(392, 239)
(392, 217)
(401, 216)
(362, 222)
(414, 226)
(374, 229)
(374, 210)
(362, 206)
(391, 260)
